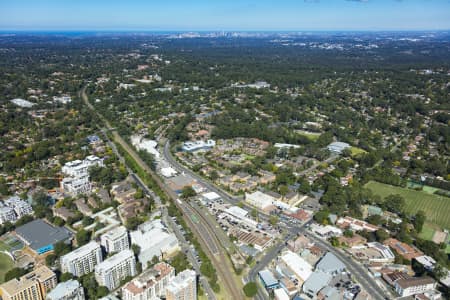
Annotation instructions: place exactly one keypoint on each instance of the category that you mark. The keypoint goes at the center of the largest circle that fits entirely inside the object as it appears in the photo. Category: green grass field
(312, 136)
(436, 208)
(6, 264)
(427, 232)
(356, 151)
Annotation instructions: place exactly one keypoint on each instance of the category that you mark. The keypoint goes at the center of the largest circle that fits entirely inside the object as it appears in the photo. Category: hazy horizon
(202, 15)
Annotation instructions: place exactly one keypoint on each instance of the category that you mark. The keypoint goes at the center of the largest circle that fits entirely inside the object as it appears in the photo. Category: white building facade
(151, 284)
(183, 286)
(82, 260)
(113, 270)
(69, 290)
(77, 171)
(115, 240)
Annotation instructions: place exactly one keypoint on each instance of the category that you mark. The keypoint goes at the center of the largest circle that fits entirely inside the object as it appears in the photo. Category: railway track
(218, 258)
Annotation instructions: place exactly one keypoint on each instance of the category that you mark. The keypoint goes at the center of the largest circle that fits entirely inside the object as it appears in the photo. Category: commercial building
(154, 240)
(41, 236)
(325, 231)
(115, 240)
(268, 280)
(22, 103)
(151, 284)
(374, 252)
(31, 286)
(183, 286)
(280, 294)
(414, 285)
(337, 147)
(356, 225)
(316, 282)
(259, 199)
(300, 267)
(330, 264)
(404, 250)
(198, 145)
(113, 270)
(69, 290)
(426, 261)
(82, 260)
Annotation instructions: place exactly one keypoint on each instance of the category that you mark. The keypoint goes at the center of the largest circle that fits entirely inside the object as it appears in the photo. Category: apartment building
(82, 260)
(31, 286)
(7, 214)
(77, 171)
(113, 270)
(115, 240)
(151, 284)
(21, 207)
(183, 286)
(69, 290)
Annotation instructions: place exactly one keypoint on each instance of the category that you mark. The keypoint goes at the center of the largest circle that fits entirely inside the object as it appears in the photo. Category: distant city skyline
(204, 15)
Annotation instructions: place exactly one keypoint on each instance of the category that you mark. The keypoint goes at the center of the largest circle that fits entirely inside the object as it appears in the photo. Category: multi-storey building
(113, 270)
(76, 185)
(7, 214)
(20, 207)
(31, 286)
(69, 290)
(82, 260)
(115, 240)
(150, 285)
(414, 285)
(154, 240)
(77, 168)
(183, 286)
(77, 181)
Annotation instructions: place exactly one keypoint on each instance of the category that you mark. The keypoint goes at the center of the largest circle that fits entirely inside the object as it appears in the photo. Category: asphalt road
(357, 270)
(361, 275)
(201, 232)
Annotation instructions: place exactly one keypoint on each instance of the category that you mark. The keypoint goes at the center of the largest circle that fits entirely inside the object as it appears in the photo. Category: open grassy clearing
(436, 208)
(356, 151)
(427, 232)
(312, 136)
(6, 264)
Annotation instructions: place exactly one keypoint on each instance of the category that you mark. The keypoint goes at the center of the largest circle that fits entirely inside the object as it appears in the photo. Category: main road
(209, 243)
(361, 274)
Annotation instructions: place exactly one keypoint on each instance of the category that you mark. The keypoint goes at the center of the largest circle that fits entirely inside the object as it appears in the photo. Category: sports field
(6, 264)
(436, 208)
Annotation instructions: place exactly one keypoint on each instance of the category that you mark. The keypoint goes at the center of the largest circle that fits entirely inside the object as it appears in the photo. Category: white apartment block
(69, 290)
(20, 207)
(113, 270)
(76, 185)
(82, 260)
(151, 284)
(77, 181)
(7, 214)
(115, 240)
(183, 286)
(79, 168)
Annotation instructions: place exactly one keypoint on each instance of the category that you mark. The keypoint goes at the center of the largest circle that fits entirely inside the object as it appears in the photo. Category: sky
(208, 15)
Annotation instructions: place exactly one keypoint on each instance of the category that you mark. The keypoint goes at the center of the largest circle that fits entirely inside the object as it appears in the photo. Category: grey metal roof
(317, 281)
(268, 277)
(330, 263)
(38, 234)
